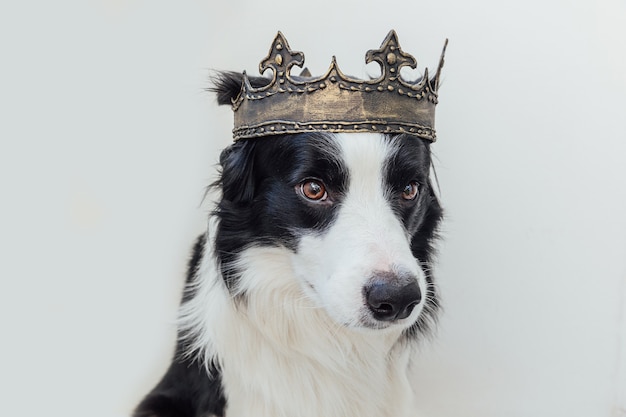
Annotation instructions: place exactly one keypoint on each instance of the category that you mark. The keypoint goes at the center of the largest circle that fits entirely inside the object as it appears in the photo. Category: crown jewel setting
(335, 102)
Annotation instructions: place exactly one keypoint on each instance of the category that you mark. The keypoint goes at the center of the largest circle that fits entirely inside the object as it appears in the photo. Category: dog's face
(355, 212)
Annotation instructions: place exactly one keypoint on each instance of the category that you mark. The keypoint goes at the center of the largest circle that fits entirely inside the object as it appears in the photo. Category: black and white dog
(308, 293)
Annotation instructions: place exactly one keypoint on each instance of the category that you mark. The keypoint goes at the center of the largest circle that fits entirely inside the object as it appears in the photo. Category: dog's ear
(237, 178)
(422, 242)
(227, 85)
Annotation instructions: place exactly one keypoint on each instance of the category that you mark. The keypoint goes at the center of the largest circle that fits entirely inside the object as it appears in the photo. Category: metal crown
(335, 102)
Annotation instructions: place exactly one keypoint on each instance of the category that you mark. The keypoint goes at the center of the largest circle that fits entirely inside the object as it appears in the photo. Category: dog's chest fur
(273, 386)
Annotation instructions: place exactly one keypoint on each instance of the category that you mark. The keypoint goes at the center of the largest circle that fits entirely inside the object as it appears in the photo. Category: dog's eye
(313, 190)
(410, 191)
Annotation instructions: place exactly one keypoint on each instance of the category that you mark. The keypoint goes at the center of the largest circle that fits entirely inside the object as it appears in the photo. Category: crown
(335, 102)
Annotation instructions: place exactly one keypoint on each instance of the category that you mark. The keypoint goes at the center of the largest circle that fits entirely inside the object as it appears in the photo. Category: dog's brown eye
(313, 190)
(410, 191)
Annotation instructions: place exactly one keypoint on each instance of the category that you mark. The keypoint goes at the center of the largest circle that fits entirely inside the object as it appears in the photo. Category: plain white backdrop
(107, 140)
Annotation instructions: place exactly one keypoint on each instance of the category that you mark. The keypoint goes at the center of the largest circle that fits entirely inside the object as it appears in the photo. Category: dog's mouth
(375, 324)
(369, 320)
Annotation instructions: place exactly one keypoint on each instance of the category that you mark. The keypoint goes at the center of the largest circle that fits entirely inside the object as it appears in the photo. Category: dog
(313, 286)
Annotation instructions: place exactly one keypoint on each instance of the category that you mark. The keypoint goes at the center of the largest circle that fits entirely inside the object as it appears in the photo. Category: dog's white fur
(298, 346)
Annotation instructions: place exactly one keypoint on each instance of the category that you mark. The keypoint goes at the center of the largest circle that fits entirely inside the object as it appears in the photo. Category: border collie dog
(309, 292)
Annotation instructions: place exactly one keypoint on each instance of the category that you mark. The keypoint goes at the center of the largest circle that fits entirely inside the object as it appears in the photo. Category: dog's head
(355, 212)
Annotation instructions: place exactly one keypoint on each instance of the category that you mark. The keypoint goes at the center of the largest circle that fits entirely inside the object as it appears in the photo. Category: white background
(107, 140)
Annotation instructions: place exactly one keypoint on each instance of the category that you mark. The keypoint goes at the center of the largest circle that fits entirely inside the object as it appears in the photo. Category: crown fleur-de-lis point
(391, 57)
(437, 78)
(281, 58)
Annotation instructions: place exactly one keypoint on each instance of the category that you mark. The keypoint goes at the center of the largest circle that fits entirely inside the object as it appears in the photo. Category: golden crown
(335, 102)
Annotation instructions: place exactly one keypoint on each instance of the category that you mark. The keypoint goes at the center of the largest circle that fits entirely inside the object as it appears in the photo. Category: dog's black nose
(391, 301)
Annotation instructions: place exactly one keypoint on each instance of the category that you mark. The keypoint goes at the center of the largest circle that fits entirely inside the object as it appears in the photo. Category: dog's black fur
(187, 389)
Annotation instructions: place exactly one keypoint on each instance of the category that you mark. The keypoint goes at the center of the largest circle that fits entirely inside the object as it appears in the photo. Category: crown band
(335, 102)
(280, 127)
